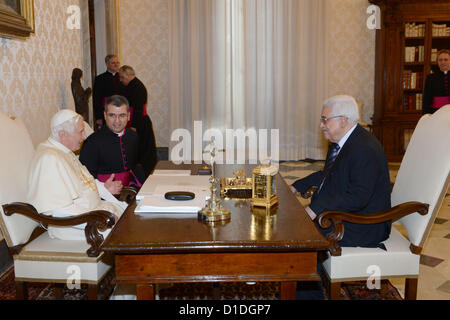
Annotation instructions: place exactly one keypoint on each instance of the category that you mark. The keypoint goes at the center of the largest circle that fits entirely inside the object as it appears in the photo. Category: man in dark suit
(355, 178)
(106, 85)
(136, 93)
(437, 89)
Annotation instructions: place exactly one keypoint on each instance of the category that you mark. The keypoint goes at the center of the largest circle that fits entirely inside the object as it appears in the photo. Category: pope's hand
(113, 186)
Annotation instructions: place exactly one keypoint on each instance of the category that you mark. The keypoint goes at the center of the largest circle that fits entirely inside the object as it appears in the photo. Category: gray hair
(343, 105)
(127, 70)
(109, 57)
(67, 126)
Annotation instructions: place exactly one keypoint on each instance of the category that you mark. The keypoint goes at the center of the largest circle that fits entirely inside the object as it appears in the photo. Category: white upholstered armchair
(37, 257)
(420, 187)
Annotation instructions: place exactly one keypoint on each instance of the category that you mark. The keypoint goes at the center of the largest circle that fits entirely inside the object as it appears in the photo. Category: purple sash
(440, 102)
(121, 176)
(144, 113)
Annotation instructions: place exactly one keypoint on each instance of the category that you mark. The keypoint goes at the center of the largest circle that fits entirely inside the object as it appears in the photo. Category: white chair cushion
(17, 153)
(49, 259)
(354, 261)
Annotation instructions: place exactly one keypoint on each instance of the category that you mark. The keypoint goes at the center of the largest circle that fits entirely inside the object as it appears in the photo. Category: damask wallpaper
(35, 73)
(351, 53)
(144, 31)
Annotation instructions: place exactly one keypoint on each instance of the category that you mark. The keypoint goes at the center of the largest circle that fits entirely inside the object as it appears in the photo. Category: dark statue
(80, 95)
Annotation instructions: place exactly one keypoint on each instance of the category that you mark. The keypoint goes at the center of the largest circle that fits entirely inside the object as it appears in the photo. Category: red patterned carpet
(203, 291)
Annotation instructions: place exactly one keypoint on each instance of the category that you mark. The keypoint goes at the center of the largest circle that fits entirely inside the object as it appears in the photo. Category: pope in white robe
(59, 185)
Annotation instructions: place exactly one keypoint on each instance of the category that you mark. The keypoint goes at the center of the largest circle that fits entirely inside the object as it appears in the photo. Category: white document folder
(151, 196)
(164, 172)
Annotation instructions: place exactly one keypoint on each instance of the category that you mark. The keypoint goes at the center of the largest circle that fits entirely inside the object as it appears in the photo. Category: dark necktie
(333, 151)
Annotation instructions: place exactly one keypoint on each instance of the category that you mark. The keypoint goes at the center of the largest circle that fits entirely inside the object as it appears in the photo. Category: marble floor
(434, 270)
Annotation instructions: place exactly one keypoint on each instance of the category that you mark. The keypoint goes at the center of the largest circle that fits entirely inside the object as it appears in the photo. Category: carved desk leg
(21, 290)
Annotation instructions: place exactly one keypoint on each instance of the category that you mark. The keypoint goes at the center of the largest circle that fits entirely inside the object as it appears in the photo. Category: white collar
(121, 133)
(345, 137)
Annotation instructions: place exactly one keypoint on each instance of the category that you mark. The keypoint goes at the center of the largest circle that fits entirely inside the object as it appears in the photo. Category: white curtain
(240, 64)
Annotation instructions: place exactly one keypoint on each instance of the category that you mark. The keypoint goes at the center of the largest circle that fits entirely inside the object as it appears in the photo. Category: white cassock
(59, 185)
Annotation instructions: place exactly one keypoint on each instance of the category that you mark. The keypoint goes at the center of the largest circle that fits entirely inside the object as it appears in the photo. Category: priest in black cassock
(136, 93)
(114, 148)
(437, 89)
(106, 85)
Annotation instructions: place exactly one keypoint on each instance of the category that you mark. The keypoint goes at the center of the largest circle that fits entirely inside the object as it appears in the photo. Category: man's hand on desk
(113, 186)
(310, 213)
(308, 209)
(294, 191)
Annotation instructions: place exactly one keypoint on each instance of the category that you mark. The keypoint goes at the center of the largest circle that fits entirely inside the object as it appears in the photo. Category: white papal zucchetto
(62, 116)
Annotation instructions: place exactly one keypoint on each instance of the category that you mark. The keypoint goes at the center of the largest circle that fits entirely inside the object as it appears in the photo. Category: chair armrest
(337, 217)
(128, 194)
(308, 194)
(99, 219)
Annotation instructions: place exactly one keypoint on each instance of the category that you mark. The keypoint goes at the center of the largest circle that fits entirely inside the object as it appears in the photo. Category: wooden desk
(150, 250)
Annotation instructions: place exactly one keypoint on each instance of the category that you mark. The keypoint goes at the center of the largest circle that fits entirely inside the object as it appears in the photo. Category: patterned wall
(144, 31)
(351, 47)
(35, 74)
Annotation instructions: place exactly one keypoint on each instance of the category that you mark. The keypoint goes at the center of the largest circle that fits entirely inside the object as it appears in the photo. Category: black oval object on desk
(179, 195)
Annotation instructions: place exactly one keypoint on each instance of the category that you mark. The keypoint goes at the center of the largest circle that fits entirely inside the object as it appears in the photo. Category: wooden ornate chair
(420, 187)
(37, 257)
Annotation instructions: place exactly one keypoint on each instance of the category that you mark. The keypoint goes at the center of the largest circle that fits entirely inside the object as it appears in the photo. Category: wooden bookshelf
(412, 31)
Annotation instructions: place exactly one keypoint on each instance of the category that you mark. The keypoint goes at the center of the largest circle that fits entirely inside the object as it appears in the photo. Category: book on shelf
(434, 53)
(412, 80)
(407, 134)
(413, 30)
(440, 30)
(412, 101)
(415, 54)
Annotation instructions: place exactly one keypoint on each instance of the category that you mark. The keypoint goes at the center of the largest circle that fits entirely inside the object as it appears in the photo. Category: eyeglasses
(326, 119)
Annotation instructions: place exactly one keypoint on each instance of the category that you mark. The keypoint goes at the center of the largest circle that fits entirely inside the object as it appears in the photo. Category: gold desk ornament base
(239, 187)
(213, 211)
(214, 215)
(262, 202)
(263, 211)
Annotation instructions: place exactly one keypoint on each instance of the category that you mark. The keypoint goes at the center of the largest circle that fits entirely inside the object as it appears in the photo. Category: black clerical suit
(436, 85)
(358, 182)
(105, 86)
(104, 153)
(136, 93)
